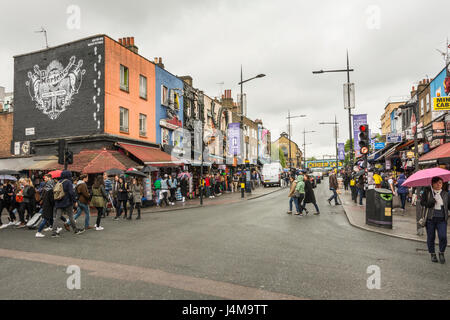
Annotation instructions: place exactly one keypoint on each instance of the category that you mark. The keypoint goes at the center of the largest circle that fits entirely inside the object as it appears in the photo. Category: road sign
(379, 145)
(352, 95)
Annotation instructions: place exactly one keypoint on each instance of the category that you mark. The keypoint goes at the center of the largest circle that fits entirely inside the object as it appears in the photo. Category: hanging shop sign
(388, 164)
(394, 137)
(438, 130)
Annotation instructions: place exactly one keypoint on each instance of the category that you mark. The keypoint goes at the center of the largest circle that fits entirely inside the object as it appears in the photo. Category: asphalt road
(248, 250)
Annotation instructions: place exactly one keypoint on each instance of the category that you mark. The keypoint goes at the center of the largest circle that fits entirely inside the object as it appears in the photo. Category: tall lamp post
(242, 108)
(289, 117)
(348, 70)
(335, 123)
(304, 145)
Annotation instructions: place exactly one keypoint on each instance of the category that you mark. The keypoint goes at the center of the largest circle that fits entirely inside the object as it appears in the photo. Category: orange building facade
(140, 107)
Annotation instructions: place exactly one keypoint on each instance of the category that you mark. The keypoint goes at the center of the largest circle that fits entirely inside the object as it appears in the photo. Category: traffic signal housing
(69, 157)
(364, 139)
(61, 150)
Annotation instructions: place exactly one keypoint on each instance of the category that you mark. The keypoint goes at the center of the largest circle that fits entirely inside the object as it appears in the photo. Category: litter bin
(379, 208)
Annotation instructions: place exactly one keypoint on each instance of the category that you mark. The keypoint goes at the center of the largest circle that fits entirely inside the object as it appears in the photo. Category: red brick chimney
(128, 42)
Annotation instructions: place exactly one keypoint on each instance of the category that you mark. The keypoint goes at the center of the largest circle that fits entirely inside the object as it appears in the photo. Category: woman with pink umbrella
(435, 202)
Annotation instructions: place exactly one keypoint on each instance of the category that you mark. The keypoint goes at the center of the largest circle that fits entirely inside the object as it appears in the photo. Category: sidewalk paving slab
(403, 223)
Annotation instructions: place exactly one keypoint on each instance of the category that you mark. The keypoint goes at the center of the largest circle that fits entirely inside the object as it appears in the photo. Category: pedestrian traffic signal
(61, 150)
(364, 140)
(69, 157)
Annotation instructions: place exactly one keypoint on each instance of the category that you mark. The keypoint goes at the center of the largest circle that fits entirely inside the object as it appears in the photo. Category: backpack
(58, 191)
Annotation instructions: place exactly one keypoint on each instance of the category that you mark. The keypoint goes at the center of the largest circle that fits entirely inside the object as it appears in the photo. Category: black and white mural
(59, 92)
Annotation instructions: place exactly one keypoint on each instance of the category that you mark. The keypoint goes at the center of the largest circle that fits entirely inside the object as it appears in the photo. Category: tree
(347, 161)
(278, 155)
(312, 159)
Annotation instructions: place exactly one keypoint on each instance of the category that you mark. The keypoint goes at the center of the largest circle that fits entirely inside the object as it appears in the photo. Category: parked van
(271, 174)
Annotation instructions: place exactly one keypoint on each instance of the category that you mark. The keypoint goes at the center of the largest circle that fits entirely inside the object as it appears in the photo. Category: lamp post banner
(341, 151)
(234, 139)
(358, 119)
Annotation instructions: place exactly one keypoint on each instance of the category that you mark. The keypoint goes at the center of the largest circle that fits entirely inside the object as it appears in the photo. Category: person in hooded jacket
(48, 205)
(300, 192)
(65, 205)
(401, 190)
(309, 195)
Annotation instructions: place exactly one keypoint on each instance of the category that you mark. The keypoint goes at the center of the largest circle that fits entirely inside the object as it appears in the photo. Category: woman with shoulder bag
(436, 202)
(99, 200)
(136, 191)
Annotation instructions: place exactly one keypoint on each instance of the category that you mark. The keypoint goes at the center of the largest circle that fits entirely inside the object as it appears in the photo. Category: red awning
(440, 152)
(96, 161)
(152, 156)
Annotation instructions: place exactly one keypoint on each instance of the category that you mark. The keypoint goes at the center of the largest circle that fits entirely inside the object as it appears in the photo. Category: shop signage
(435, 143)
(388, 164)
(438, 130)
(379, 145)
(323, 164)
(394, 137)
(440, 90)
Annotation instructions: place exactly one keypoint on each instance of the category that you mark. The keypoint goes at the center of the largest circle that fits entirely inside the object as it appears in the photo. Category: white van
(271, 174)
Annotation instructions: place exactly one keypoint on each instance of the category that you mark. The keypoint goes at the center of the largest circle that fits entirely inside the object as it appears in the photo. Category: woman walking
(99, 200)
(137, 191)
(122, 198)
(309, 195)
(300, 193)
(48, 205)
(292, 197)
(402, 191)
(436, 202)
(29, 200)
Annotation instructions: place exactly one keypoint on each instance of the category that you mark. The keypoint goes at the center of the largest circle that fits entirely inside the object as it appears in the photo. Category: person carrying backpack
(83, 201)
(64, 200)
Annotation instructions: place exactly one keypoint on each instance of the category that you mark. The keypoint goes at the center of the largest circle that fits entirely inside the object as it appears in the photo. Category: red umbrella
(55, 173)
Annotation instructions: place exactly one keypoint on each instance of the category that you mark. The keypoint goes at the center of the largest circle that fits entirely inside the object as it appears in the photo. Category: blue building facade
(168, 107)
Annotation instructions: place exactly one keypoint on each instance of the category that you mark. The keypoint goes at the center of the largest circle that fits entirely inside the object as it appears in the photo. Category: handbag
(297, 194)
(423, 221)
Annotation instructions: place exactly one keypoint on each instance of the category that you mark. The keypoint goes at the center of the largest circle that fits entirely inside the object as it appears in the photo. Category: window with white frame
(428, 107)
(164, 96)
(124, 77)
(123, 119)
(142, 125)
(142, 86)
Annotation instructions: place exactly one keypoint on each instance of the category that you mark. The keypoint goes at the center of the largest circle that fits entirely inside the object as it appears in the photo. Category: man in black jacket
(65, 205)
(436, 202)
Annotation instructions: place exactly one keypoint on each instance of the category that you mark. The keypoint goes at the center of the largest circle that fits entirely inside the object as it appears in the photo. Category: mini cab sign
(441, 103)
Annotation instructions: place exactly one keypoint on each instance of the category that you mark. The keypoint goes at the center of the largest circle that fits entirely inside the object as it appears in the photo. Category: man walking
(333, 187)
(64, 199)
(83, 201)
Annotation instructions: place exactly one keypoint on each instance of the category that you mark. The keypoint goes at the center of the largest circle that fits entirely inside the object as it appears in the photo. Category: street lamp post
(242, 107)
(304, 145)
(335, 123)
(289, 117)
(348, 70)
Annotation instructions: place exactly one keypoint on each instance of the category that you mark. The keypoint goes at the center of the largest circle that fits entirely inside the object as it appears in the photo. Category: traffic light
(61, 150)
(364, 140)
(69, 157)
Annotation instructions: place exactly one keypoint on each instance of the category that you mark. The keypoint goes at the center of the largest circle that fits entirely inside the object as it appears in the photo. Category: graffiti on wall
(53, 89)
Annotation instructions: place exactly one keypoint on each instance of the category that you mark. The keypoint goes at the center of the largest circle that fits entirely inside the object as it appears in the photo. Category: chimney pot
(128, 41)
(132, 41)
(160, 60)
(156, 60)
(120, 40)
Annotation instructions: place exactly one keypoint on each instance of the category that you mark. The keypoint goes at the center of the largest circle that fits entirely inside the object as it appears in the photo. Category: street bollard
(242, 190)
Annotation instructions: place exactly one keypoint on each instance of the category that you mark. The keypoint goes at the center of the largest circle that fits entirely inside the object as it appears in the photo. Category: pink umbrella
(423, 178)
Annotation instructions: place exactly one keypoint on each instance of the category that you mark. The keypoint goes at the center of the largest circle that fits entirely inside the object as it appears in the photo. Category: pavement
(403, 222)
(240, 251)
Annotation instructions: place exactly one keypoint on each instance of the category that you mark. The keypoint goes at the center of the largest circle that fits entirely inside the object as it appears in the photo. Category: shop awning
(404, 145)
(375, 155)
(441, 153)
(390, 151)
(152, 156)
(96, 161)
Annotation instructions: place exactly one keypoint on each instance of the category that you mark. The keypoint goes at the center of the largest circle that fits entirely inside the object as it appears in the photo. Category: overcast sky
(286, 40)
